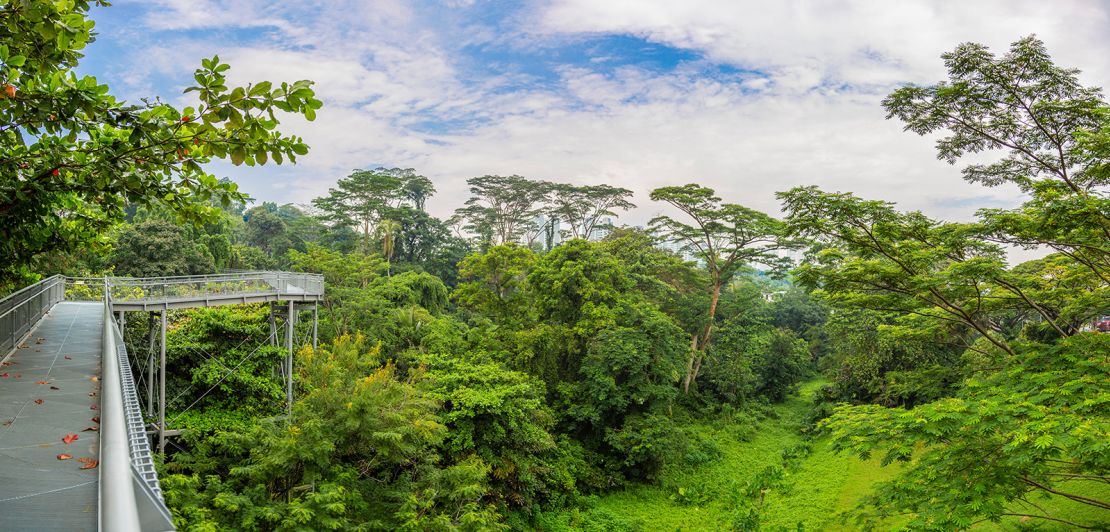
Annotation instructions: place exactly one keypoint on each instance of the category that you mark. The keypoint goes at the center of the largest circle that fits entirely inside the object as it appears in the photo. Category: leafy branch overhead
(73, 156)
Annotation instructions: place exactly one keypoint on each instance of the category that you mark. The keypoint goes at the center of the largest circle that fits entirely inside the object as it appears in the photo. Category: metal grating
(142, 460)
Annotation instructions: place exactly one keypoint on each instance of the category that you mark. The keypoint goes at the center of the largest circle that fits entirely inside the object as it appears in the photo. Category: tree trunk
(690, 364)
(697, 351)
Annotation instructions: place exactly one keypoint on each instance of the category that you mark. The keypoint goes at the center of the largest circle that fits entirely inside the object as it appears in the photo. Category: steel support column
(290, 322)
(162, 387)
(315, 321)
(150, 367)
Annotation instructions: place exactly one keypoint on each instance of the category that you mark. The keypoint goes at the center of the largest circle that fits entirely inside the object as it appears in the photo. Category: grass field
(818, 490)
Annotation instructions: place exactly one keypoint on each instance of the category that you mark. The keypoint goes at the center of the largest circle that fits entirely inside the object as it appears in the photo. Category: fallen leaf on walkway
(42, 382)
(4, 375)
(64, 456)
(89, 462)
(18, 375)
(69, 438)
(55, 388)
(94, 378)
(38, 401)
(8, 423)
(91, 429)
(92, 407)
(96, 419)
(69, 357)
(92, 394)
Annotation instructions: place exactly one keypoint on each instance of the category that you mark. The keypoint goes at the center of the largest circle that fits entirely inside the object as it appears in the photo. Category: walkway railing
(23, 309)
(130, 496)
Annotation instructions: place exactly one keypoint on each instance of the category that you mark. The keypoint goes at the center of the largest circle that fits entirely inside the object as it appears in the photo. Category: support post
(162, 387)
(150, 367)
(290, 321)
(273, 326)
(315, 322)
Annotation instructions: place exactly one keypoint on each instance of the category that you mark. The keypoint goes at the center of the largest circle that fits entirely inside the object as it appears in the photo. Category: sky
(746, 97)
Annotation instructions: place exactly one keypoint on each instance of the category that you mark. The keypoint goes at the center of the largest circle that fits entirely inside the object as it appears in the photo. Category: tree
(73, 157)
(1030, 420)
(1052, 130)
(583, 207)
(503, 209)
(366, 197)
(268, 232)
(157, 248)
(495, 283)
(360, 199)
(387, 230)
(725, 237)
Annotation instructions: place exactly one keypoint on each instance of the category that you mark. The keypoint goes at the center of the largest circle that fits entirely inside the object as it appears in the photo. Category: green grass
(821, 487)
(823, 484)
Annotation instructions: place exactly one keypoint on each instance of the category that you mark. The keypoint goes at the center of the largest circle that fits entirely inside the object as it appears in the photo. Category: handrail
(20, 310)
(118, 510)
(130, 495)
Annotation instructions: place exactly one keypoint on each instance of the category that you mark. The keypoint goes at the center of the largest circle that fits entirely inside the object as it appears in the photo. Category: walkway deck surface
(37, 490)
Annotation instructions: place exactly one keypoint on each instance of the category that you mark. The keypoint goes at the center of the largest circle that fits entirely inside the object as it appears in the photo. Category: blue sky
(746, 97)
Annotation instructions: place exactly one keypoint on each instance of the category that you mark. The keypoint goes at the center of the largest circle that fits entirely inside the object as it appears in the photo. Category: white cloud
(805, 111)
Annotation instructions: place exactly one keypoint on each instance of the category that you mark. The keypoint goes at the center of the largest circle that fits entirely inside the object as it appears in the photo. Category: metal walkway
(57, 383)
(47, 392)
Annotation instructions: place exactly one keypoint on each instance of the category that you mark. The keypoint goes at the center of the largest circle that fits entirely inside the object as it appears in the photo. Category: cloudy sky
(746, 97)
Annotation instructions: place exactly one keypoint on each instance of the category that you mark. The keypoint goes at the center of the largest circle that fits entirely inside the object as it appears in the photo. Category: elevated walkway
(66, 373)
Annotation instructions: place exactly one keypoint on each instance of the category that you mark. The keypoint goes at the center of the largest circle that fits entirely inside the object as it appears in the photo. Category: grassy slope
(824, 485)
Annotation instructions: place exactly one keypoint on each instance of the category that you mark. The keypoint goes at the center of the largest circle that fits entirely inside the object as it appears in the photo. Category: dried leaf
(69, 438)
(93, 407)
(42, 382)
(89, 462)
(92, 394)
(69, 357)
(55, 388)
(38, 401)
(91, 429)
(96, 419)
(64, 456)
(4, 375)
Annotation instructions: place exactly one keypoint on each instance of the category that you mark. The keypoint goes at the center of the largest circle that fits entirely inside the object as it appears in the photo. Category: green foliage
(725, 237)
(583, 208)
(503, 209)
(219, 357)
(366, 197)
(68, 146)
(501, 416)
(494, 283)
(358, 452)
(1040, 426)
(157, 248)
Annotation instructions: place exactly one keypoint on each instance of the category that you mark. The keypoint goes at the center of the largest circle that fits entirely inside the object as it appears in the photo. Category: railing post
(162, 387)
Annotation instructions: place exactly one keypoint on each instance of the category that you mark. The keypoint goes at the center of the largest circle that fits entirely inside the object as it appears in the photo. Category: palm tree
(387, 230)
